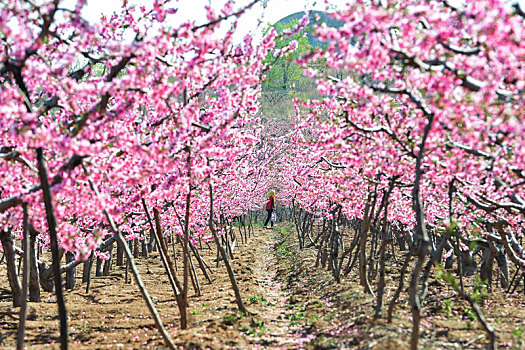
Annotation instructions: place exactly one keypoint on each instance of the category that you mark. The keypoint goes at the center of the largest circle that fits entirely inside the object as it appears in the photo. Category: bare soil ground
(341, 315)
(293, 304)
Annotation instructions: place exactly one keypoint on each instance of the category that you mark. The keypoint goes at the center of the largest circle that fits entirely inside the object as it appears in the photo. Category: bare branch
(462, 50)
(333, 165)
(15, 156)
(452, 144)
(14, 201)
(220, 19)
(518, 9)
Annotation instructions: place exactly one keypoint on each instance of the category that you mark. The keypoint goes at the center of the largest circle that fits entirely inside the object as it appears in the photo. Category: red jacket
(271, 203)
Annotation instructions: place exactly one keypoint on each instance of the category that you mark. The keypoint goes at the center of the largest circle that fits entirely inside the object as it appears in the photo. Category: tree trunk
(503, 265)
(120, 255)
(85, 270)
(144, 248)
(71, 274)
(201, 262)
(88, 271)
(185, 260)
(487, 265)
(51, 224)
(135, 248)
(365, 225)
(421, 237)
(194, 278)
(470, 265)
(107, 263)
(34, 277)
(98, 267)
(25, 280)
(7, 244)
(151, 244)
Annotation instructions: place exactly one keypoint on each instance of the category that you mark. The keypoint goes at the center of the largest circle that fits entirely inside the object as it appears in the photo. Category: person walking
(270, 207)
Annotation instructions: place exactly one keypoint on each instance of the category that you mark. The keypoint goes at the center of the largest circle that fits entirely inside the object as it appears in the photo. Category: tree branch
(14, 201)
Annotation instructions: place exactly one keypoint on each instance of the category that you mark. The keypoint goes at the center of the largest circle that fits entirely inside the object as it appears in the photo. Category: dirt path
(278, 314)
(270, 324)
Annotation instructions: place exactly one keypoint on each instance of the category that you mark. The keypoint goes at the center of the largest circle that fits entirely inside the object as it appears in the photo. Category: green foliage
(447, 277)
(452, 228)
(284, 71)
(518, 332)
(258, 323)
(313, 318)
(257, 328)
(255, 298)
(282, 251)
(447, 306)
(285, 230)
(98, 70)
(230, 319)
(84, 329)
(470, 314)
(331, 315)
(350, 296)
(297, 316)
(480, 290)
